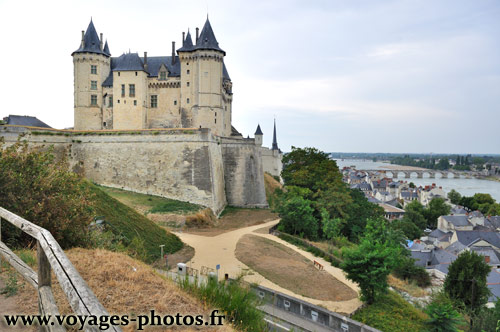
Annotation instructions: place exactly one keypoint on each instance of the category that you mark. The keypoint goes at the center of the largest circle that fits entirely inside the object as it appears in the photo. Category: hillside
(271, 184)
(130, 224)
(123, 285)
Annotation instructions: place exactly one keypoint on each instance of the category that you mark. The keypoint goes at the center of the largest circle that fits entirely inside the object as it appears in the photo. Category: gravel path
(220, 249)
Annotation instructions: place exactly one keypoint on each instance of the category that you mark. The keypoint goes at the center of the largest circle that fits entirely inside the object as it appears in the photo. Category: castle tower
(205, 92)
(258, 136)
(91, 62)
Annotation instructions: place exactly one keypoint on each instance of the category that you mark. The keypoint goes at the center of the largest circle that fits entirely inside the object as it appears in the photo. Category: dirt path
(220, 249)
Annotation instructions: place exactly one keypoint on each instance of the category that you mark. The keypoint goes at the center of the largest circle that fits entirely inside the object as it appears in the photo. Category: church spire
(188, 44)
(275, 141)
(106, 49)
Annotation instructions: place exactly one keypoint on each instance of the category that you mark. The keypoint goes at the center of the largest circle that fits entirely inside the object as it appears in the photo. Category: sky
(346, 76)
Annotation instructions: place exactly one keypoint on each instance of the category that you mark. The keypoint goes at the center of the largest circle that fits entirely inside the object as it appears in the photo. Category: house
(450, 223)
(392, 212)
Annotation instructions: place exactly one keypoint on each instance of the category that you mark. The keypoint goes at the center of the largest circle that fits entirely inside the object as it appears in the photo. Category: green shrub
(391, 313)
(407, 270)
(238, 302)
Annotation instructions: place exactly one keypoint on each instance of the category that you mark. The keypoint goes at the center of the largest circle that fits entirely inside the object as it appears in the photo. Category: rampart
(182, 164)
(244, 173)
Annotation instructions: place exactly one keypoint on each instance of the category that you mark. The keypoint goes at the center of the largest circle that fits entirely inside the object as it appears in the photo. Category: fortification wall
(185, 164)
(271, 161)
(244, 175)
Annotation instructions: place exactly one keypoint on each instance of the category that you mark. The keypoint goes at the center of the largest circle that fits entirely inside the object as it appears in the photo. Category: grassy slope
(150, 203)
(391, 313)
(271, 185)
(131, 224)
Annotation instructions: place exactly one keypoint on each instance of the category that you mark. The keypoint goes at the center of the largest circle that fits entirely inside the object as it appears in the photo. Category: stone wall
(186, 165)
(272, 161)
(244, 175)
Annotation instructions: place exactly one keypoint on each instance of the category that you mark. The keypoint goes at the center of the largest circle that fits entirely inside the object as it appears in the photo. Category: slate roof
(494, 260)
(132, 62)
(458, 210)
(187, 45)
(441, 256)
(421, 258)
(436, 233)
(468, 238)
(91, 42)
(235, 132)
(258, 131)
(373, 200)
(128, 62)
(106, 49)
(493, 282)
(456, 248)
(457, 220)
(207, 40)
(408, 194)
(24, 120)
(495, 221)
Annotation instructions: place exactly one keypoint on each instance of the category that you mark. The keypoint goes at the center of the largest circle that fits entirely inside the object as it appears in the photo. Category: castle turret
(258, 136)
(91, 62)
(204, 86)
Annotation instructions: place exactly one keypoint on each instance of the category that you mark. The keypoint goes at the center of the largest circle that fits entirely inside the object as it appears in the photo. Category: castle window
(163, 75)
(118, 73)
(135, 73)
(187, 63)
(135, 102)
(215, 120)
(175, 102)
(118, 101)
(110, 101)
(104, 124)
(188, 71)
(93, 100)
(187, 83)
(131, 90)
(154, 101)
(187, 101)
(93, 85)
(93, 69)
(123, 90)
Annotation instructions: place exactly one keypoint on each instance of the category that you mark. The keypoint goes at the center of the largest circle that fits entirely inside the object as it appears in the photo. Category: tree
(408, 228)
(454, 196)
(466, 282)
(412, 185)
(414, 213)
(310, 168)
(297, 216)
(372, 260)
(437, 207)
(442, 317)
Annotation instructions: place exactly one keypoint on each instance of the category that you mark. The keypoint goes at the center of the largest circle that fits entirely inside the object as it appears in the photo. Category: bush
(407, 270)
(238, 302)
(38, 188)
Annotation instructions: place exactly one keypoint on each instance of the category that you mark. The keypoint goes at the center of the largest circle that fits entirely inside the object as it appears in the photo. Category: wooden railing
(50, 256)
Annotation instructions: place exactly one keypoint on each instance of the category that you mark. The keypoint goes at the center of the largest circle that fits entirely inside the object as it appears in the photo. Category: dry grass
(202, 219)
(290, 270)
(405, 286)
(121, 289)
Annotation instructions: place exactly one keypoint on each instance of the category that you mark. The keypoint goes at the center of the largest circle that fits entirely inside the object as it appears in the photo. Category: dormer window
(163, 75)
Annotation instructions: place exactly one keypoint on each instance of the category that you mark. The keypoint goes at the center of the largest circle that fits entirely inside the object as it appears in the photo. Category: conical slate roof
(207, 40)
(275, 141)
(188, 44)
(258, 131)
(106, 49)
(91, 42)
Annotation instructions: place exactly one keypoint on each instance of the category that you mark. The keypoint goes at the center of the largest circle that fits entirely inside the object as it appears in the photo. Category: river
(466, 187)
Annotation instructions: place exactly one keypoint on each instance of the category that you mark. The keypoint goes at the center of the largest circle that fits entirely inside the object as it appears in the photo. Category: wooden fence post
(44, 279)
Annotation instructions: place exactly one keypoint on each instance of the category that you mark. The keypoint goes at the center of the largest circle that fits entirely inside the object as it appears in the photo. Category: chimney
(146, 61)
(197, 34)
(173, 52)
(101, 42)
(83, 38)
(183, 38)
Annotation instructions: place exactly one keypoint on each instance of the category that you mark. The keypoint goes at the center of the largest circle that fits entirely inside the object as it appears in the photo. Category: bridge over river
(406, 173)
